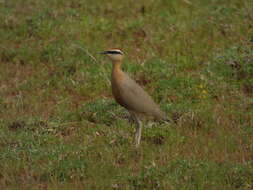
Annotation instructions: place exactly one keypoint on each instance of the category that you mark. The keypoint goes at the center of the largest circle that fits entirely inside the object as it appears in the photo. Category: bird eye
(114, 52)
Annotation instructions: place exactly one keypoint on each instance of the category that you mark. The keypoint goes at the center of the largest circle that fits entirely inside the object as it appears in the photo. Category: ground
(60, 127)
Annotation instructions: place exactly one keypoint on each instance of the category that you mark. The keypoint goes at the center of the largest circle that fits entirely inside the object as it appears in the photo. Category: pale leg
(138, 129)
(138, 133)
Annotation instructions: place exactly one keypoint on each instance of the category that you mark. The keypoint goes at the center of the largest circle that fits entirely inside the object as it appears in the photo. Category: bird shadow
(104, 111)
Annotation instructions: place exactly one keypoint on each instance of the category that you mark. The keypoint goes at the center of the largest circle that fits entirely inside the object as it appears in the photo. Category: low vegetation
(60, 127)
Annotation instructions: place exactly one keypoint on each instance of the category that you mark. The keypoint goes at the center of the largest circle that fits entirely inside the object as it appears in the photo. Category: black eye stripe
(114, 52)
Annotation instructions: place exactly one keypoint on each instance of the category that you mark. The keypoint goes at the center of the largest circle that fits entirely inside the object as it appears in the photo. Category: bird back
(131, 96)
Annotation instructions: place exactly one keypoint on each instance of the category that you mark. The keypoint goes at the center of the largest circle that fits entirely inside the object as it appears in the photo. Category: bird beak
(104, 52)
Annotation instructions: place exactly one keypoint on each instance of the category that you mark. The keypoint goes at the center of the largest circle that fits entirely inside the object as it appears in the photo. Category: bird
(131, 95)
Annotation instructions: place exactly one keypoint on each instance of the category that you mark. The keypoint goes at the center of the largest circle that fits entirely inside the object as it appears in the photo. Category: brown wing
(134, 98)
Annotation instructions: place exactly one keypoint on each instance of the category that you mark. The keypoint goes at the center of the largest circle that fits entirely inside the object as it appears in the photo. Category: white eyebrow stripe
(114, 52)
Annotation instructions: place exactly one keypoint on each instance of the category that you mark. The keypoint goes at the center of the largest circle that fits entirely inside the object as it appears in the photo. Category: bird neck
(117, 73)
(117, 66)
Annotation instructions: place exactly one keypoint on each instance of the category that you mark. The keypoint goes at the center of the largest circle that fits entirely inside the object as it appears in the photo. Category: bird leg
(138, 133)
(138, 129)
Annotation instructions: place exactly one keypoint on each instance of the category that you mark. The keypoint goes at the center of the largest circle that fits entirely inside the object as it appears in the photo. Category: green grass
(60, 127)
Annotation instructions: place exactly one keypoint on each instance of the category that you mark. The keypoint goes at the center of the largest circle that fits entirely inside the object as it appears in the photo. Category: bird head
(114, 55)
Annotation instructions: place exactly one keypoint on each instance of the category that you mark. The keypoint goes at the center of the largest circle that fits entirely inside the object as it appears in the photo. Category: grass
(60, 127)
